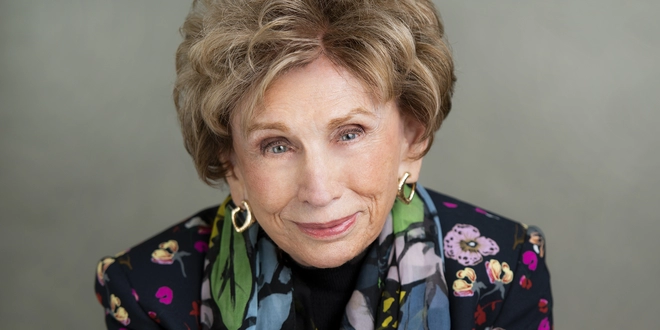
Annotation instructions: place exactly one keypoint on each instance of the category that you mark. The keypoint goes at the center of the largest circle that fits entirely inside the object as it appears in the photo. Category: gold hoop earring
(248, 217)
(402, 183)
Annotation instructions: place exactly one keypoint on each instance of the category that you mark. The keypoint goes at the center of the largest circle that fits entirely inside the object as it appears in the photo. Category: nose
(319, 179)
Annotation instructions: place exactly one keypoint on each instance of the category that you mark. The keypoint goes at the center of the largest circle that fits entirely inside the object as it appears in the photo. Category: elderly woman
(317, 114)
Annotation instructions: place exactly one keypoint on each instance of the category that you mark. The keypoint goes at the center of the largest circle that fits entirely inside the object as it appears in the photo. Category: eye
(278, 149)
(277, 146)
(348, 136)
(351, 134)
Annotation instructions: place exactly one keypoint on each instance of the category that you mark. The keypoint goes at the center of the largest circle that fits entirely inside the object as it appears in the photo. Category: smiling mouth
(329, 229)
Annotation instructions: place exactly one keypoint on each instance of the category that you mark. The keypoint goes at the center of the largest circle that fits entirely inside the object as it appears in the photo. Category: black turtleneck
(321, 294)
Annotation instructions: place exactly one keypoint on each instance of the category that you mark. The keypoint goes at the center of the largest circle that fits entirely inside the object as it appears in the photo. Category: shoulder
(473, 235)
(455, 213)
(494, 266)
(156, 283)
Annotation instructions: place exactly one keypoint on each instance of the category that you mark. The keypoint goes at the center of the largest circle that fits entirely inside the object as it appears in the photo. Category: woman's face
(320, 162)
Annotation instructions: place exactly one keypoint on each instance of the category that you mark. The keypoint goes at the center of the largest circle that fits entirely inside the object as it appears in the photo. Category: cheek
(377, 165)
(268, 188)
(374, 178)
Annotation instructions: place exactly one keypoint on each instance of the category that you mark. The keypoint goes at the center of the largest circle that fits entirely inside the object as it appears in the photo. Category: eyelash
(267, 146)
(353, 130)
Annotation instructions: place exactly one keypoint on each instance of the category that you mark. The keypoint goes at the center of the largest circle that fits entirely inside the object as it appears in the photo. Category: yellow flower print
(119, 313)
(162, 257)
(167, 253)
(114, 302)
(494, 270)
(122, 316)
(498, 274)
(463, 288)
(120, 253)
(171, 245)
(101, 268)
(536, 238)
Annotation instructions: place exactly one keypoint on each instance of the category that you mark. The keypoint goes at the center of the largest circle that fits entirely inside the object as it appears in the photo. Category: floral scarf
(400, 283)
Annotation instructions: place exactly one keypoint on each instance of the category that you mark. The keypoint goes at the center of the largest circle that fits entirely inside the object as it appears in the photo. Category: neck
(324, 292)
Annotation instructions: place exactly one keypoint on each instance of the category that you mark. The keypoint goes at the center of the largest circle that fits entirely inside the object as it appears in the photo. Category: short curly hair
(234, 49)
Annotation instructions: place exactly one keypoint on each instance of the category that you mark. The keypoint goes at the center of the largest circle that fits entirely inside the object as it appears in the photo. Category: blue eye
(351, 133)
(275, 146)
(278, 149)
(348, 136)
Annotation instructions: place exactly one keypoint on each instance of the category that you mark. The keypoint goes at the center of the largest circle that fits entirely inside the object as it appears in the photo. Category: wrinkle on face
(320, 177)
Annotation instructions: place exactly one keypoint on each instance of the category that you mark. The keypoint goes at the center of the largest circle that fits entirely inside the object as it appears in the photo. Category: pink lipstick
(329, 229)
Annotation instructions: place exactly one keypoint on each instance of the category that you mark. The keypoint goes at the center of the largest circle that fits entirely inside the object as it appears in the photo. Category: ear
(235, 178)
(412, 148)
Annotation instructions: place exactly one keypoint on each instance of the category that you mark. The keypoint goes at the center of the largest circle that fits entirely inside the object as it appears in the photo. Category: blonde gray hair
(234, 49)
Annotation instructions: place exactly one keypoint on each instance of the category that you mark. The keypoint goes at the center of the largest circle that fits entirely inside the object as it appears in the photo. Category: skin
(322, 149)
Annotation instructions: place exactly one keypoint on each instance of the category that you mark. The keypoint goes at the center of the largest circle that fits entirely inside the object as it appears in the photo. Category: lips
(329, 229)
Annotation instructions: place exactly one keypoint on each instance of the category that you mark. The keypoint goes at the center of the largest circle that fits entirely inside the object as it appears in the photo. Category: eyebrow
(266, 126)
(357, 111)
(331, 125)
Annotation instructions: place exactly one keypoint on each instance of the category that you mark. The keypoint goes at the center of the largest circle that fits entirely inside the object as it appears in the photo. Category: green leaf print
(405, 215)
(231, 276)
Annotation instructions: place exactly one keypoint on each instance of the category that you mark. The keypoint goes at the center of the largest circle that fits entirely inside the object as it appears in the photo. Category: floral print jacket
(495, 269)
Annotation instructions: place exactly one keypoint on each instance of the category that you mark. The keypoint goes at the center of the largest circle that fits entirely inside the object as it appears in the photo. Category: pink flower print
(525, 283)
(167, 253)
(135, 295)
(482, 211)
(201, 246)
(545, 324)
(530, 259)
(165, 295)
(153, 316)
(450, 205)
(543, 305)
(465, 244)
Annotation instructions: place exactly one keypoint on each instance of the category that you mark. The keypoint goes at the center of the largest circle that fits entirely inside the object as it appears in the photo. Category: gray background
(555, 124)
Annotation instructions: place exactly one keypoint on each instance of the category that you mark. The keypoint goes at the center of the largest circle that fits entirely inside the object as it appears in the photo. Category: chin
(329, 262)
(331, 256)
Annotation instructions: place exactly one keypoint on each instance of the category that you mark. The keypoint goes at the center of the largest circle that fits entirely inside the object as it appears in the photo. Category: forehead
(320, 86)
(319, 80)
